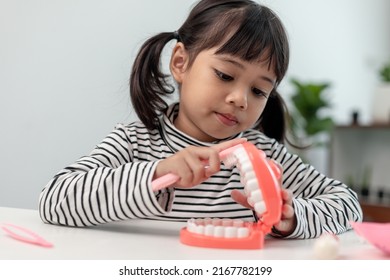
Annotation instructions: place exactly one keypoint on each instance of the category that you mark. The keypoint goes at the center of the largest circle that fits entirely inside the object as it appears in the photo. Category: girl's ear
(179, 62)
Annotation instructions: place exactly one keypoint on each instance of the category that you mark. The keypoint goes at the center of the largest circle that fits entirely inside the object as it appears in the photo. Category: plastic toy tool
(378, 234)
(25, 235)
(169, 179)
(260, 179)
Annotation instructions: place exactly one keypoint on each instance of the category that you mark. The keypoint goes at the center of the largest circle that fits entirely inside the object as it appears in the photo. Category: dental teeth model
(227, 228)
(260, 179)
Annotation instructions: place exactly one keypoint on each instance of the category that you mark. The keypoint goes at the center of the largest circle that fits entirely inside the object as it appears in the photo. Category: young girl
(229, 58)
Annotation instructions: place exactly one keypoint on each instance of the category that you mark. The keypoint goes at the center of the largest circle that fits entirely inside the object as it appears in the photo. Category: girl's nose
(239, 98)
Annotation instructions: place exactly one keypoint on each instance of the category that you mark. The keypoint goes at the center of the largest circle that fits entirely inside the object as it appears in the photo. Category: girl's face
(220, 95)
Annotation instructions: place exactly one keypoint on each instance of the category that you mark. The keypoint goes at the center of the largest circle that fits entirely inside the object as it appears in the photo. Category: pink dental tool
(260, 178)
(169, 179)
(25, 235)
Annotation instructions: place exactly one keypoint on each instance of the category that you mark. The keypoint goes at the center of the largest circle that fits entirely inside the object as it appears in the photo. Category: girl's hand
(190, 163)
(288, 221)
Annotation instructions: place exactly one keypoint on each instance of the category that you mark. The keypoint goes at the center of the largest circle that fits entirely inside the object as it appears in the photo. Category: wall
(343, 42)
(64, 69)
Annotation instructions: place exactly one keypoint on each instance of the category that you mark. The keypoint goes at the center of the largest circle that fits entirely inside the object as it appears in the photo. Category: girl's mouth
(227, 119)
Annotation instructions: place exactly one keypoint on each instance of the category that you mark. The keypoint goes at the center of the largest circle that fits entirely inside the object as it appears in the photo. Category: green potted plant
(310, 124)
(309, 104)
(381, 102)
(384, 73)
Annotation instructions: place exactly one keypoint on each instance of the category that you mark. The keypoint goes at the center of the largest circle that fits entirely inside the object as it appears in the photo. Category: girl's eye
(259, 93)
(223, 76)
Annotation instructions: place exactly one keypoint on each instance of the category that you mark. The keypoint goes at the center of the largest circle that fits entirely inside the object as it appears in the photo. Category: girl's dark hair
(241, 28)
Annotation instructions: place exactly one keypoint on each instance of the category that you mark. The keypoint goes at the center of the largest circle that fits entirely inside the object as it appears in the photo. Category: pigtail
(273, 121)
(148, 84)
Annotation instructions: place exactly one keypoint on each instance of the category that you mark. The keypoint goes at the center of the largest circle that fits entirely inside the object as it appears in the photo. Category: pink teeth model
(260, 178)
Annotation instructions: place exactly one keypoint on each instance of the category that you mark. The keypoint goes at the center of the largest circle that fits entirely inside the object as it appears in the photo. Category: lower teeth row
(227, 228)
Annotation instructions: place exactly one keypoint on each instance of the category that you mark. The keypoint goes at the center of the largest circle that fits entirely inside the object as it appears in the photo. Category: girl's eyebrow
(241, 66)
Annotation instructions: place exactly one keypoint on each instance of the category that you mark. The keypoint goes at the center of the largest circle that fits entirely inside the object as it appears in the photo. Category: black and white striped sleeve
(321, 204)
(105, 186)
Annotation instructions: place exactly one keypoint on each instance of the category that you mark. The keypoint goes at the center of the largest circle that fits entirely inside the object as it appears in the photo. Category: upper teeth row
(227, 228)
(251, 185)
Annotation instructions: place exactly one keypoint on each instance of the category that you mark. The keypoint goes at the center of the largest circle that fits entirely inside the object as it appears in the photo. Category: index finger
(287, 196)
(228, 144)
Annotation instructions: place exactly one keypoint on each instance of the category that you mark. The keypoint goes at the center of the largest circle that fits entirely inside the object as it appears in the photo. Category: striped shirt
(113, 183)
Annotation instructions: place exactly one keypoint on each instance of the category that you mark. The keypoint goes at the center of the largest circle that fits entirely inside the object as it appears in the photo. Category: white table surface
(147, 240)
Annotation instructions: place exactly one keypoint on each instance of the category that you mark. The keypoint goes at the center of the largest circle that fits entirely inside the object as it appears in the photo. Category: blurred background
(64, 69)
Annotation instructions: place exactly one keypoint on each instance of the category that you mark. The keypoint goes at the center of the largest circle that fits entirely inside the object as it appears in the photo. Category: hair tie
(176, 36)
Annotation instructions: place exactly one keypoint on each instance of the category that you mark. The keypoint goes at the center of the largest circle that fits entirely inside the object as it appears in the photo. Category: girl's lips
(227, 119)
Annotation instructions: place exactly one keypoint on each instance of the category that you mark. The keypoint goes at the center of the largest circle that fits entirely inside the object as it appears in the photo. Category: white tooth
(218, 231)
(209, 230)
(250, 201)
(230, 161)
(230, 232)
(256, 196)
(244, 159)
(251, 185)
(216, 222)
(238, 223)
(246, 167)
(260, 207)
(207, 221)
(191, 227)
(249, 175)
(199, 229)
(227, 222)
(199, 221)
(247, 191)
(242, 232)
(240, 153)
